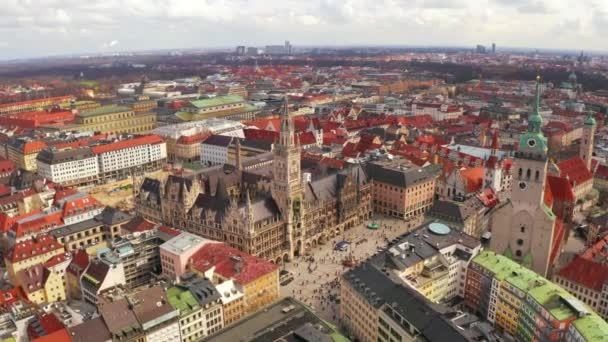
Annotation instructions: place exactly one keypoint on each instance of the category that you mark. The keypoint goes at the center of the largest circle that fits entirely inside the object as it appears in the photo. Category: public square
(316, 277)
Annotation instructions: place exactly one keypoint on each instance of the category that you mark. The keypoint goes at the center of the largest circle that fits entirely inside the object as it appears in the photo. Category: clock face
(531, 142)
(522, 185)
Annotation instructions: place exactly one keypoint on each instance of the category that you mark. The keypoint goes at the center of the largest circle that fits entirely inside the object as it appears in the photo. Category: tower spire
(535, 121)
(287, 137)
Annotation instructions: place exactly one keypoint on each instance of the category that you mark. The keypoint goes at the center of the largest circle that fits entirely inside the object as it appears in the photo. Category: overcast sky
(50, 27)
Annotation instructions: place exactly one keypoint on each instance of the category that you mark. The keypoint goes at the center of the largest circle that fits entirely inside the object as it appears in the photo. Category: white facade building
(130, 153)
(65, 166)
(214, 150)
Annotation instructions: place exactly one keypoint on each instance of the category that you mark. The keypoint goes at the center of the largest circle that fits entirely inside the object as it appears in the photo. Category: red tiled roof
(575, 170)
(585, 270)
(79, 205)
(57, 336)
(9, 297)
(33, 146)
(231, 263)
(34, 226)
(49, 324)
(307, 138)
(120, 145)
(80, 261)
(62, 193)
(6, 166)
(431, 140)
(138, 224)
(169, 230)
(560, 188)
(473, 178)
(27, 249)
(193, 139)
(261, 135)
(56, 260)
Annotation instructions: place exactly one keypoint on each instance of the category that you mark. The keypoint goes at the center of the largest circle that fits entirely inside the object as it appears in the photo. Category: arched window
(528, 173)
(518, 253)
(537, 175)
(520, 172)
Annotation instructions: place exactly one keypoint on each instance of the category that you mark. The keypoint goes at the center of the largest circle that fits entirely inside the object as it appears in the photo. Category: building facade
(271, 209)
(526, 305)
(114, 119)
(524, 227)
(404, 192)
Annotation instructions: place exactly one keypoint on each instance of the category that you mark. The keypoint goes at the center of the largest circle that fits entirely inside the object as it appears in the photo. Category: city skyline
(65, 27)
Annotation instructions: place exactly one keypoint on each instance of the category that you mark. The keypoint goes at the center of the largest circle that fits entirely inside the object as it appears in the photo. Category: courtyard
(316, 277)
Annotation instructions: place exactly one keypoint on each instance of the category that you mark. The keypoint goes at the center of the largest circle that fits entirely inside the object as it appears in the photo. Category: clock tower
(523, 227)
(287, 187)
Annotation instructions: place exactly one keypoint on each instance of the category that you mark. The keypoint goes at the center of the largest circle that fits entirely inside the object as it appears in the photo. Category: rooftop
(285, 320)
(105, 110)
(183, 243)
(217, 101)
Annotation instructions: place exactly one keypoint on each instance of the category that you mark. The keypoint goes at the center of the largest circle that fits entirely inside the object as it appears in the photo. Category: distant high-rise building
(493, 48)
(252, 51)
(480, 49)
(240, 50)
(287, 47)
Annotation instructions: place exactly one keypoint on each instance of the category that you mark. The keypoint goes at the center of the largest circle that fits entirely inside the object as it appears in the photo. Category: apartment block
(526, 305)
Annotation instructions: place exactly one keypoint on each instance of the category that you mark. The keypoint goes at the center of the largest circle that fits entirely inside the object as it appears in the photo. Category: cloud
(109, 45)
(47, 27)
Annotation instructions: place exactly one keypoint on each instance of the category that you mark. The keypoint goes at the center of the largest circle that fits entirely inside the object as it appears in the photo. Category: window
(528, 173)
(518, 253)
(522, 229)
(520, 242)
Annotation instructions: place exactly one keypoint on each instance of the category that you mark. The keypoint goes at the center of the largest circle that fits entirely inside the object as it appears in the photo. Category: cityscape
(273, 190)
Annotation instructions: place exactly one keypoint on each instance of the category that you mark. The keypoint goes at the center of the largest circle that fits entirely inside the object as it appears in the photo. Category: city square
(316, 277)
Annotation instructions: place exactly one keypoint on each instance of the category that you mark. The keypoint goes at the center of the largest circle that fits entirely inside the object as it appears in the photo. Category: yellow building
(33, 105)
(41, 284)
(114, 119)
(256, 278)
(75, 270)
(261, 291)
(30, 253)
(86, 234)
(232, 301)
(228, 107)
(22, 151)
(82, 106)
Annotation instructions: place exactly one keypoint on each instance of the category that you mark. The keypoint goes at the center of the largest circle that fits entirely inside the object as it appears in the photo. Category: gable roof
(575, 170)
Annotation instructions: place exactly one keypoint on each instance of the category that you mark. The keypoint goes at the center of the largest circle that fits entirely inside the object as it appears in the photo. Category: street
(316, 277)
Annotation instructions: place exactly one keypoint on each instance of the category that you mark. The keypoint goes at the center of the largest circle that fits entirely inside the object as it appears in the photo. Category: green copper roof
(590, 121)
(592, 328)
(216, 101)
(557, 301)
(182, 300)
(105, 110)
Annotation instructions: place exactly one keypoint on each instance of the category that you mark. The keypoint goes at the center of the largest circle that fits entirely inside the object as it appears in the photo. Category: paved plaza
(316, 277)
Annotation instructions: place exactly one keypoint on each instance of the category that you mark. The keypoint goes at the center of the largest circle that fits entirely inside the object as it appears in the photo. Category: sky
(33, 28)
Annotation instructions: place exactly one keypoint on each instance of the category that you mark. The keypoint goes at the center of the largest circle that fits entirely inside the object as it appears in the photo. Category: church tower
(586, 146)
(523, 227)
(287, 183)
